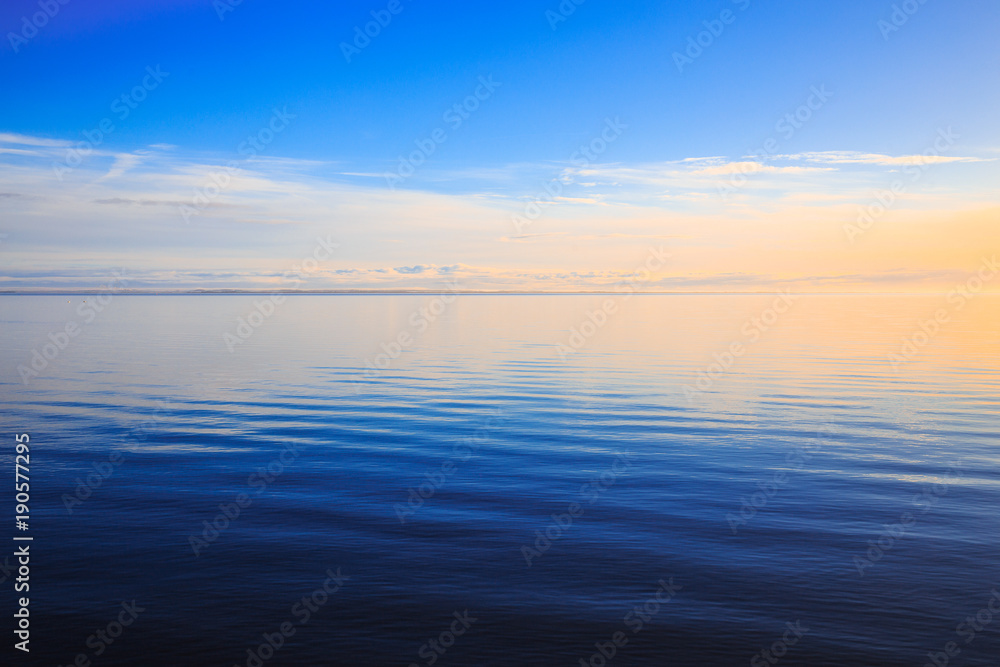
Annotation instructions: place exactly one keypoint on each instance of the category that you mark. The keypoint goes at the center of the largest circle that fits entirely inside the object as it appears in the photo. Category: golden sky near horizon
(835, 221)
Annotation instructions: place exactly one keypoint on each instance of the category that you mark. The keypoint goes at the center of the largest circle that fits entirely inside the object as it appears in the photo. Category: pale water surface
(810, 461)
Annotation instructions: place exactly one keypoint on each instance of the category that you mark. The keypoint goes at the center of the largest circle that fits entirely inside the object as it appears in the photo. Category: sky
(729, 145)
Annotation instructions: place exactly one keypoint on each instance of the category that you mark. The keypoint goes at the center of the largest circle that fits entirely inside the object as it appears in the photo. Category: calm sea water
(558, 499)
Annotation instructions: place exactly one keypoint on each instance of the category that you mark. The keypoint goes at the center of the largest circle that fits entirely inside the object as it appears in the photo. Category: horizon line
(362, 292)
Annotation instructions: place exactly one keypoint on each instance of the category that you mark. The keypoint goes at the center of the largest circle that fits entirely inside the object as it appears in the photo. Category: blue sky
(226, 69)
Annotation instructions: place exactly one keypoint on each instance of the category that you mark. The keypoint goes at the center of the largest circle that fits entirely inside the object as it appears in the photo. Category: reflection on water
(709, 476)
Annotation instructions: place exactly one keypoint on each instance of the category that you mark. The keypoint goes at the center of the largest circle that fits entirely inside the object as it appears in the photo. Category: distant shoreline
(363, 292)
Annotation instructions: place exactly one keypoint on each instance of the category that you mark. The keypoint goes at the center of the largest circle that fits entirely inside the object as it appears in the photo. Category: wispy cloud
(122, 164)
(784, 227)
(854, 157)
(26, 140)
(754, 168)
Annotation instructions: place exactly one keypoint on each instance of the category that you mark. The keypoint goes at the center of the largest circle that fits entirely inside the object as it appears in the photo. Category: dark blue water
(556, 502)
